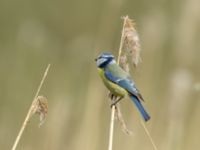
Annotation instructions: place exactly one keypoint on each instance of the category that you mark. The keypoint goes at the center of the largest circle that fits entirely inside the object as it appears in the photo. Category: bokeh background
(69, 35)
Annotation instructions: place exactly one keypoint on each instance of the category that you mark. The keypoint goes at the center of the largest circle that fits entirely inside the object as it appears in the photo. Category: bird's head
(104, 59)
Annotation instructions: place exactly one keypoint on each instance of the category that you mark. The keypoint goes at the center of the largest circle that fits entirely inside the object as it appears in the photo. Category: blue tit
(119, 82)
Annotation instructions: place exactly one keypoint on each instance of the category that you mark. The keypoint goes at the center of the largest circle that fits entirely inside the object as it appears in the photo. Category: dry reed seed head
(131, 42)
(40, 107)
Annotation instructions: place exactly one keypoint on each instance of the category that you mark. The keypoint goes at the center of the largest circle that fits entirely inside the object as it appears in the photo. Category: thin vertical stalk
(111, 128)
(113, 109)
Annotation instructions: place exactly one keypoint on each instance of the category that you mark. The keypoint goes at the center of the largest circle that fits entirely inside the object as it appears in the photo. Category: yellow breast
(114, 88)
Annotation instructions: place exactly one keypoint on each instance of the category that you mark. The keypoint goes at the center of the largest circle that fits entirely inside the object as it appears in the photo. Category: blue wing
(126, 83)
(129, 85)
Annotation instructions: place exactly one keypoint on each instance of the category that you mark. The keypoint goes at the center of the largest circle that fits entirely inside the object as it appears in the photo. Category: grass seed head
(40, 107)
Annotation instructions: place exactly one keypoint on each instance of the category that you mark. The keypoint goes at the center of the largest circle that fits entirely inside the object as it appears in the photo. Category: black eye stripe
(105, 63)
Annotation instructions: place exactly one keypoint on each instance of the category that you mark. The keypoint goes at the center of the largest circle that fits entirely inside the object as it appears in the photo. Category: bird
(119, 82)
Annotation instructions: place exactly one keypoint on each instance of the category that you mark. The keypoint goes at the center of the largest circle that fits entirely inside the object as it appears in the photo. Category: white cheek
(113, 62)
(100, 61)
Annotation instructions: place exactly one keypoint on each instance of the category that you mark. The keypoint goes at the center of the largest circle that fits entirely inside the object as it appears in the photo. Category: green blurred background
(69, 35)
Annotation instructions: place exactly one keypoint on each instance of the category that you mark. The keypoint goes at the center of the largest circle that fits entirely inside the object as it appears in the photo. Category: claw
(114, 102)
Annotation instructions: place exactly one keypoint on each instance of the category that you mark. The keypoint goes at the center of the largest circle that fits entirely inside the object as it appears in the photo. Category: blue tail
(141, 109)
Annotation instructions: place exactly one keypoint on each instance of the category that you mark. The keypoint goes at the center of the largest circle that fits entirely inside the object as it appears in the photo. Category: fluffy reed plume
(130, 46)
(39, 106)
(131, 41)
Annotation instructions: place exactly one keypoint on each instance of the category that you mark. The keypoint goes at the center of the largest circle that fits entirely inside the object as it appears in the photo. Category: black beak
(95, 59)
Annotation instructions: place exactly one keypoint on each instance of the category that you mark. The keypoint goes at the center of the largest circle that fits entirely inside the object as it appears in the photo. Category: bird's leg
(115, 101)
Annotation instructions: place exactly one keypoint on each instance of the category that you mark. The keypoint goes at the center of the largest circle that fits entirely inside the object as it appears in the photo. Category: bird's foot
(114, 102)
